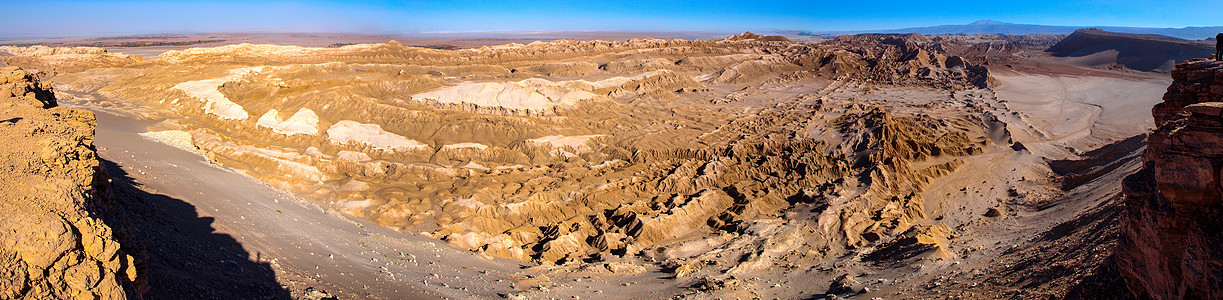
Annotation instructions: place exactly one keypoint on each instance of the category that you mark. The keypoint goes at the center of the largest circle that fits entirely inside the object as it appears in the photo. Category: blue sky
(407, 17)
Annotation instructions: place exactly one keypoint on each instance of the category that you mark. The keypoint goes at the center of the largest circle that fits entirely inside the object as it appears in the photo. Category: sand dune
(1146, 52)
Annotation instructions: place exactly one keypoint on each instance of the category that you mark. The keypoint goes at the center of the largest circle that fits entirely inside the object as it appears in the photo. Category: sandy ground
(302, 242)
(1058, 115)
(1081, 112)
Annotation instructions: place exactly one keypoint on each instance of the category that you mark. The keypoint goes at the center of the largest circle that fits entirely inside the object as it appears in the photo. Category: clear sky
(408, 17)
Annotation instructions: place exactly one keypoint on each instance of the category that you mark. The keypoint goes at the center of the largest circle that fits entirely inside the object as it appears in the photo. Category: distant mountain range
(995, 27)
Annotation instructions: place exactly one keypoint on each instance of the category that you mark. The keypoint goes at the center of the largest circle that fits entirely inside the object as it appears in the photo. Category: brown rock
(845, 284)
(920, 241)
(993, 212)
(1212, 109)
(1172, 243)
(51, 244)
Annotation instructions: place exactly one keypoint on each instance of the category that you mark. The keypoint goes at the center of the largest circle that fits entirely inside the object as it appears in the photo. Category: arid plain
(749, 166)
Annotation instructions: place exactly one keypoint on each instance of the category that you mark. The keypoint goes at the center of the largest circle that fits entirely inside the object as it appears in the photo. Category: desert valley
(900, 165)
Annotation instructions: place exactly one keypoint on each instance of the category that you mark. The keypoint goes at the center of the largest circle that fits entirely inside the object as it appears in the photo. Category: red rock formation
(1172, 245)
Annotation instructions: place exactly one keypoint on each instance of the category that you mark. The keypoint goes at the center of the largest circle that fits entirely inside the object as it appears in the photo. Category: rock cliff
(53, 243)
(1172, 242)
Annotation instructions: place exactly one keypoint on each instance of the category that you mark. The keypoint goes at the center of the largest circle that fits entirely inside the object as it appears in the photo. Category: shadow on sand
(183, 255)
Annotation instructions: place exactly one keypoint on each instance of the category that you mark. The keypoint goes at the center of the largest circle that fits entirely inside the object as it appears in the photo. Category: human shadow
(179, 252)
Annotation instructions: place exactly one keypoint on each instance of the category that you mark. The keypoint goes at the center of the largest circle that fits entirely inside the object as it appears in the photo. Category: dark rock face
(1172, 242)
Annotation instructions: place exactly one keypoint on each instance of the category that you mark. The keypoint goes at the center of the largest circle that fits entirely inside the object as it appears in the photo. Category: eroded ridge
(702, 159)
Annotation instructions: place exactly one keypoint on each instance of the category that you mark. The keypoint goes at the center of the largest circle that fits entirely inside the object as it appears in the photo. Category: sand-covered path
(304, 244)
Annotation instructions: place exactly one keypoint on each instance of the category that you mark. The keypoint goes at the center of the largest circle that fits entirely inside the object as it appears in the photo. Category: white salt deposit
(215, 102)
(304, 121)
(530, 94)
(353, 156)
(620, 80)
(177, 138)
(355, 205)
(560, 141)
(347, 131)
(477, 146)
(473, 165)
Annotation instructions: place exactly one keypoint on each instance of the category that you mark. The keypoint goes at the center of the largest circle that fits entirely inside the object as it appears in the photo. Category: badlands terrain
(871, 165)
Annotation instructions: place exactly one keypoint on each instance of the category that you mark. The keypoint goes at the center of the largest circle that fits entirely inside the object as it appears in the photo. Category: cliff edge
(1172, 241)
(52, 243)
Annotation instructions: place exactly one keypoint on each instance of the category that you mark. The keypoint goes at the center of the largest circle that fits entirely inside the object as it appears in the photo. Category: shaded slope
(187, 257)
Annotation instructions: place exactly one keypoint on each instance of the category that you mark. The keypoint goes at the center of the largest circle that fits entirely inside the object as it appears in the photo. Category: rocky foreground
(57, 235)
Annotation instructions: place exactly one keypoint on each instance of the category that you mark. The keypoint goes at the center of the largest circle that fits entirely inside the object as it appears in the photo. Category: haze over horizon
(421, 17)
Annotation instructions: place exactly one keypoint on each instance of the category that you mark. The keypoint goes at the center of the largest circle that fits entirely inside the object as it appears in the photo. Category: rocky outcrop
(751, 70)
(995, 48)
(891, 58)
(1172, 242)
(53, 244)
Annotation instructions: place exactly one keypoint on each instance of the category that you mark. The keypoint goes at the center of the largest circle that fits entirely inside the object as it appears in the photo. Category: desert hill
(997, 27)
(1146, 52)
